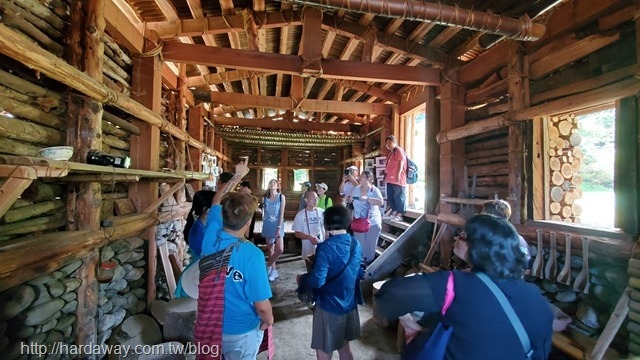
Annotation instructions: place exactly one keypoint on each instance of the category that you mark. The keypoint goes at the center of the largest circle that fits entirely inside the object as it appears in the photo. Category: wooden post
(432, 154)
(356, 150)
(195, 127)
(181, 122)
(395, 124)
(284, 163)
(84, 133)
(147, 90)
(518, 86)
(626, 163)
(452, 155)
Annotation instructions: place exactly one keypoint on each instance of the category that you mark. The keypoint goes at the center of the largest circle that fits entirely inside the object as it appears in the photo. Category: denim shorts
(243, 346)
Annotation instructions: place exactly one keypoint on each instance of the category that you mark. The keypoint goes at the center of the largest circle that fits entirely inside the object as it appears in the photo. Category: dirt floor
(293, 321)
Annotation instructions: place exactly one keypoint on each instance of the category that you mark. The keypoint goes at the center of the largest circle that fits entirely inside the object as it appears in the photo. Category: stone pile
(125, 294)
(40, 311)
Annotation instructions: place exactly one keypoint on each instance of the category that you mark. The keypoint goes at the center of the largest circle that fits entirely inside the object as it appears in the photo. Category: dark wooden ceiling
(459, 44)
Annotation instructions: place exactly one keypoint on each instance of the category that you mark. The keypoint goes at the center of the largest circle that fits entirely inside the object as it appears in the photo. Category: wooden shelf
(45, 168)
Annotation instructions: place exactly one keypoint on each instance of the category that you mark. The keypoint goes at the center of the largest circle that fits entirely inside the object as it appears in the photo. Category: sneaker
(272, 274)
(275, 274)
(390, 215)
(398, 218)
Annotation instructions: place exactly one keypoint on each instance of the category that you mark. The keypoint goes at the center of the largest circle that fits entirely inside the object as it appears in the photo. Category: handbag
(361, 225)
(308, 295)
(436, 346)
(513, 318)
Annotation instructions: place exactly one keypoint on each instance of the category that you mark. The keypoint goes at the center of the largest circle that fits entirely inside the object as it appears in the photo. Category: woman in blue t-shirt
(273, 203)
(196, 220)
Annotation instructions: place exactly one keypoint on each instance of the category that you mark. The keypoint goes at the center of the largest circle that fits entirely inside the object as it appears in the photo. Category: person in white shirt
(309, 225)
(349, 182)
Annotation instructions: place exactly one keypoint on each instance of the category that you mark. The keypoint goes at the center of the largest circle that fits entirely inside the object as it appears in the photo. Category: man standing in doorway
(396, 179)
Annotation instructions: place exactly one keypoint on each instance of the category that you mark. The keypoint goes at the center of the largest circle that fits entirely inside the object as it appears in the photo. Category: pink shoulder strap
(449, 295)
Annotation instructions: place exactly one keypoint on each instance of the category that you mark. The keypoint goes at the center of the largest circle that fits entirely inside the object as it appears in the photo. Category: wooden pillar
(181, 122)
(626, 165)
(356, 150)
(432, 156)
(195, 127)
(395, 123)
(84, 133)
(452, 153)
(146, 88)
(518, 86)
(311, 41)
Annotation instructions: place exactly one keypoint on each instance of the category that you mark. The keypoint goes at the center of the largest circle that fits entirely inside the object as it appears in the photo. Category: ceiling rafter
(269, 123)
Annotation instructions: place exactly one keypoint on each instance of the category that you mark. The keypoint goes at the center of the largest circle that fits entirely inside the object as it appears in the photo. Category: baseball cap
(306, 183)
(322, 185)
(352, 168)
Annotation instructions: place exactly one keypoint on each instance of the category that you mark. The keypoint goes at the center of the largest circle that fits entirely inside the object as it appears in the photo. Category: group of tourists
(234, 308)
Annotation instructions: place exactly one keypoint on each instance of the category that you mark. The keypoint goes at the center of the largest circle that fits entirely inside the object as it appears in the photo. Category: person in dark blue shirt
(481, 328)
(335, 276)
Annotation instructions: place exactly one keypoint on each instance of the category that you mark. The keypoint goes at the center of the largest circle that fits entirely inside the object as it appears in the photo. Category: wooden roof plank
(303, 105)
(268, 123)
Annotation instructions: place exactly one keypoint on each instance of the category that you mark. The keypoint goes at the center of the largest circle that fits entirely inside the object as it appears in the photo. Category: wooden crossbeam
(291, 64)
(267, 123)
(121, 27)
(304, 105)
(224, 77)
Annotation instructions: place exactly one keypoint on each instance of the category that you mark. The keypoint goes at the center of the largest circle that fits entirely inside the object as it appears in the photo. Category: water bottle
(97, 157)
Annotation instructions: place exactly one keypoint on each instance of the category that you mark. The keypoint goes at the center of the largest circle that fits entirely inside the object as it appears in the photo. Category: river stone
(38, 314)
(126, 290)
(67, 332)
(118, 301)
(42, 295)
(103, 286)
(581, 328)
(617, 276)
(139, 330)
(65, 321)
(107, 307)
(168, 350)
(25, 332)
(119, 315)
(44, 279)
(131, 300)
(102, 300)
(54, 337)
(68, 269)
(567, 308)
(576, 262)
(137, 283)
(15, 300)
(139, 263)
(71, 284)
(181, 314)
(549, 286)
(598, 280)
(588, 316)
(100, 313)
(111, 293)
(159, 311)
(70, 307)
(118, 273)
(566, 296)
(136, 255)
(106, 254)
(124, 257)
(56, 288)
(135, 242)
(142, 306)
(596, 270)
(106, 322)
(70, 296)
(38, 338)
(103, 337)
(138, 292)
(49, 325)
(134, 274)
(118, 285)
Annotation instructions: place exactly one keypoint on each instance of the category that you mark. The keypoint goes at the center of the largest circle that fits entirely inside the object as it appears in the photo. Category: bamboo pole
(624, 88)
(16, 47)
(31, 113)
(26, 87)
(30, 31)
(33, 225)
(15, 147)
(125, 125)
(33, 19)
(40, 10)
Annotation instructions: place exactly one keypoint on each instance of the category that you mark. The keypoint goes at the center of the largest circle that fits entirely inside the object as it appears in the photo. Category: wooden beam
(291, 64)
(394, 43)
(220, 25)
(304, 105)
(484, 65)
(626, 165)
(122, 29)
(444, 36)
(169, 78)
(285, 124)
(311, 42)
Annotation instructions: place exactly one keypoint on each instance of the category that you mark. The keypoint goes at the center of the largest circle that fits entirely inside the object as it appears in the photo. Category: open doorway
(415, 143)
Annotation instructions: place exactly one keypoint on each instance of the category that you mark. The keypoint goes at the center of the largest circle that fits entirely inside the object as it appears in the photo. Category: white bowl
(63, 153)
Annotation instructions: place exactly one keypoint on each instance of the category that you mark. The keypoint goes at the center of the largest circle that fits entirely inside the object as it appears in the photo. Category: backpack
(412, 172)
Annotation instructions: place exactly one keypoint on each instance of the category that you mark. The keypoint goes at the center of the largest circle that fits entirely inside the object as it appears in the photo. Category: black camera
(347, 172)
